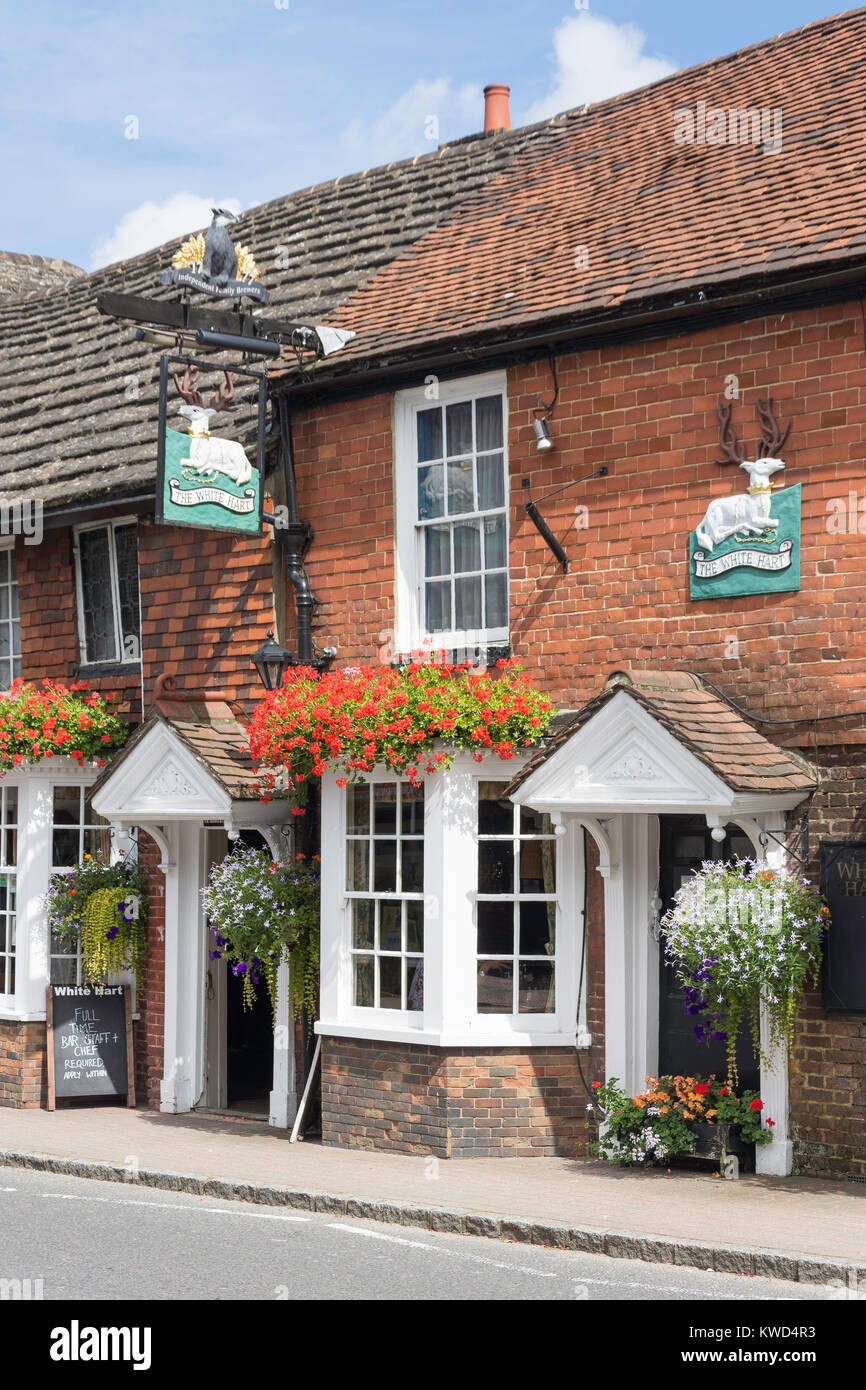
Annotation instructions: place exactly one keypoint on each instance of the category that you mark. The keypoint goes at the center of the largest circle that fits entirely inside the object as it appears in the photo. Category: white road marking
(169, 1206)
(442, 1250)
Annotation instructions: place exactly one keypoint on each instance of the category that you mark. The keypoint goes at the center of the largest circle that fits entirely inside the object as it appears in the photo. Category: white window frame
(449, 1017)
(410, 632)
(110, 525)
(9, 544)
(82, 827)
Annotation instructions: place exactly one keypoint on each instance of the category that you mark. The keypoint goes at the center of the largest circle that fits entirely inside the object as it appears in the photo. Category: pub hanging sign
(843, 884)
(206, 477)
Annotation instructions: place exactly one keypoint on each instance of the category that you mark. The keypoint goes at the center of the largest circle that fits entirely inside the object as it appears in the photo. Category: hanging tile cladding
(646, 411)
(78, 398)
(206, 604)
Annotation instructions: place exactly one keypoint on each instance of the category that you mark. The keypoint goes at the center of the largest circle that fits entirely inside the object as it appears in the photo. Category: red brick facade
(23, 1082)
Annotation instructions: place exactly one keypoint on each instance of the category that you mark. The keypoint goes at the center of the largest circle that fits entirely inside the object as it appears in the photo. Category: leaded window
(516, 906)
(77, 833)
(385, 887)
(108, 593)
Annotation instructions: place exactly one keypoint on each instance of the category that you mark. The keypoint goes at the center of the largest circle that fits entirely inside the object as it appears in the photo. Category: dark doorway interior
(249, 1038)
(684, 843)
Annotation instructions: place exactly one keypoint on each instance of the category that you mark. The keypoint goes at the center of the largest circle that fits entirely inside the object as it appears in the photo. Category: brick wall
(148, 1030)
(23, 1079)
(454, 1103)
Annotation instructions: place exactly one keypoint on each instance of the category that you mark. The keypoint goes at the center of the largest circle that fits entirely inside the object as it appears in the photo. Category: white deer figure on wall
(208, 454)
(745, 511)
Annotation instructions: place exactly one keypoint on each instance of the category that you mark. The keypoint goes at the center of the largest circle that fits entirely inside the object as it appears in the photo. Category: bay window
(76, 832)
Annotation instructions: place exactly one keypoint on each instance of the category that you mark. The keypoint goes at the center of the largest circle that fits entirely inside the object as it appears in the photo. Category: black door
(249, 1037)
(684, 843)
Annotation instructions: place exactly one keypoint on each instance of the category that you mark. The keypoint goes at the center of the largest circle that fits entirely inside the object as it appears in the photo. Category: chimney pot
(497, 115)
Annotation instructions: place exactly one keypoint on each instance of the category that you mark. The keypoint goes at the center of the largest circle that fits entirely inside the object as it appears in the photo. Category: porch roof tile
(701, 720)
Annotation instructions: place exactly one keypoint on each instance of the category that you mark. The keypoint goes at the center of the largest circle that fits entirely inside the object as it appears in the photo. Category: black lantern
(271, 662)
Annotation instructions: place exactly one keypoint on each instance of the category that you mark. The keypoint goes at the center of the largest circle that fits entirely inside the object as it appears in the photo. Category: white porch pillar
(183, 1080)
(629, 865)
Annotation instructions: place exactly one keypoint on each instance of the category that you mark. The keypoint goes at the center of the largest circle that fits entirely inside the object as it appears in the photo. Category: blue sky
(241, 101)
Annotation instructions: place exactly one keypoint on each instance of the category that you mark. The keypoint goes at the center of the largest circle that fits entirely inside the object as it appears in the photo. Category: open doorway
(240, 1041)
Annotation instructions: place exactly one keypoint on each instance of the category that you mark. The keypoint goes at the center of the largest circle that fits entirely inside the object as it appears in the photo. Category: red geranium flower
(596, 1085)
(701, 1089)
(757, 1104)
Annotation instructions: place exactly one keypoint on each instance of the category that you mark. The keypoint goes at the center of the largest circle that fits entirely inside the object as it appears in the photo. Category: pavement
(798, 1229)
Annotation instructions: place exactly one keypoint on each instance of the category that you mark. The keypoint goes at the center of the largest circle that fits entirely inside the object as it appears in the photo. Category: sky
(121, 125)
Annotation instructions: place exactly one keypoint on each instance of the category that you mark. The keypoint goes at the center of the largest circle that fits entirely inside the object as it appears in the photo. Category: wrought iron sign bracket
(541, 526)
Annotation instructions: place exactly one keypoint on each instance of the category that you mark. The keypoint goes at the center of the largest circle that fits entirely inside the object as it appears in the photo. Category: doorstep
(792, 1228)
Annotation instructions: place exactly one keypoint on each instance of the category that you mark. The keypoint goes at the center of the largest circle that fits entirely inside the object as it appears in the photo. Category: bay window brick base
(23, 1081)
(452, 1102)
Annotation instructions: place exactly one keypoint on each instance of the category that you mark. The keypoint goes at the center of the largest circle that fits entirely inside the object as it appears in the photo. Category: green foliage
(103, 909)
(654, 1125)
(259, 911)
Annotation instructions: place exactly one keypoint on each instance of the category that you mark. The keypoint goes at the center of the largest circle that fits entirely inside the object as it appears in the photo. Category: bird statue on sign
(220, 262)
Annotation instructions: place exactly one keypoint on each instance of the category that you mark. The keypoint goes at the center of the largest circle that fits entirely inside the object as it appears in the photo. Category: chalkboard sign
(843, 883)
(89, 1042)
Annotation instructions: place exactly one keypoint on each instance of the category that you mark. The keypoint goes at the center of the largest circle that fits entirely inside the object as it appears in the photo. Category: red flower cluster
(56, 720)
(356, 719)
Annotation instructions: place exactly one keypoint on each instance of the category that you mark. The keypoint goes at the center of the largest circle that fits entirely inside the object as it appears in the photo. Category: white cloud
(427, 114)
(151, 224)
(596, 58)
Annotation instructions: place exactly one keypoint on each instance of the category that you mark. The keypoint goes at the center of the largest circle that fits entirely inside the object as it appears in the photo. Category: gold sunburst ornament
(247, 268)
(191, 254)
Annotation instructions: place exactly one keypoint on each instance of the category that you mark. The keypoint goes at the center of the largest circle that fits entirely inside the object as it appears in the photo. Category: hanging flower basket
(739, 935)
(410, 720)
(57, 721)
(678, 1115)
(101, 908)
(260, 913)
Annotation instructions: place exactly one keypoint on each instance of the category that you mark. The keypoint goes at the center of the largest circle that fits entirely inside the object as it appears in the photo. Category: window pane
(437, 550)
(414, 983)
(390, 926)
(459, 428)
(385, 808)
(412, 809)
(495, 549)
(495, 987)
(4, 565)
(538, 866)
(535, 992)
(495, 811)
(430, 434)
(431, 492)
(488, 423)
(97, 843)
(99, 632)
(495, 867)
(390, 991)
(535, 822)
(496, 929)
(438, 607)
(414, 926)
(126, 546)
(364, 986)
(4, 599)
(385, 866)
(64, 848)
(63, 970)
(10, 807)
(413, 866)
(359, 808)
(496, 599)
(67, 805)
(362, 923)
(491, 482)
(357, 866)
(467, 604)
(537, 929)
(467, 548)
(461, 493)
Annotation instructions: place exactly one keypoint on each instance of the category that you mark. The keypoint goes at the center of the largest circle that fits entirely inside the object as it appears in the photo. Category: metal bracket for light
(541, 526)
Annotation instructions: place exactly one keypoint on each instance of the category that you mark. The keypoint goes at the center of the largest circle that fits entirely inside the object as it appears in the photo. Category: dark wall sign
(89, 1042)
(843, 883)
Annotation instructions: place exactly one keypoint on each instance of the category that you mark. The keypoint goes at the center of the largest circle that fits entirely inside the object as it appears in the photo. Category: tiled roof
(71, 428)
(33, 274)
(612, 212)
(213, 735)
(705, 723)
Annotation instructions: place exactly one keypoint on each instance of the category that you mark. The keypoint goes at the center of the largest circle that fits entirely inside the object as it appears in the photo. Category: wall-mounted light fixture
(543, 436)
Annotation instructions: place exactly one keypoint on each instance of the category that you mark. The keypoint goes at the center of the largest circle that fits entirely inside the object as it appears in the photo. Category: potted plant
(678, 1115)
(410, 720)
(262, 912)
(742, 935)
(57, 721)
(101, 908)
